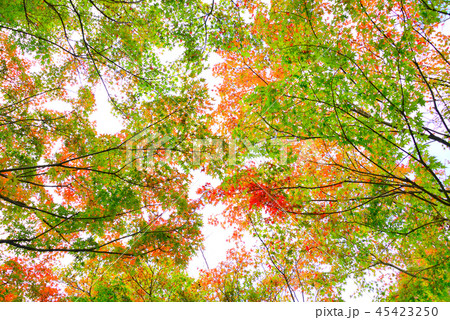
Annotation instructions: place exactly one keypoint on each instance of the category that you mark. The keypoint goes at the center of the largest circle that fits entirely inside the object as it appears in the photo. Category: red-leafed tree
(23, 280)
(357, 93)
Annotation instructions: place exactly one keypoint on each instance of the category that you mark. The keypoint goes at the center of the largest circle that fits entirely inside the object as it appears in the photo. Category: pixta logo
(146, 149)
(229, 153)
(141, 149)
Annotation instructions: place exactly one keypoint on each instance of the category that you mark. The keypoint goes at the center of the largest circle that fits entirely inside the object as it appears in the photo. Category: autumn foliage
(334, 121)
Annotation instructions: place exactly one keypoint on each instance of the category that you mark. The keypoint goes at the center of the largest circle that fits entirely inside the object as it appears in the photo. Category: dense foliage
(332, 120)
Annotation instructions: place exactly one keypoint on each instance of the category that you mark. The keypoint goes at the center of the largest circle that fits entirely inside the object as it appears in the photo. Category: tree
(331, 111)
(21, 281)
(48, 154)
(360, 89)
(65, 188)
(130, 279)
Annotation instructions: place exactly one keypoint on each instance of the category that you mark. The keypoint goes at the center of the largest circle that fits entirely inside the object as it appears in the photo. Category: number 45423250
(407, 311)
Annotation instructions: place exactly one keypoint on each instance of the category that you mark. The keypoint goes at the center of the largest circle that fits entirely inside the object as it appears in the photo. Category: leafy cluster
(335, 118)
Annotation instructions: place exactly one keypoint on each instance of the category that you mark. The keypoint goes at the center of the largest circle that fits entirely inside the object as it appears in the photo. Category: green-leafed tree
(357, 91)
(66, 188)
(341, 105)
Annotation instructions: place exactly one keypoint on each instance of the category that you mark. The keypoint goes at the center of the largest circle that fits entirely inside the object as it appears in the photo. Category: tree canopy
(329, 134)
